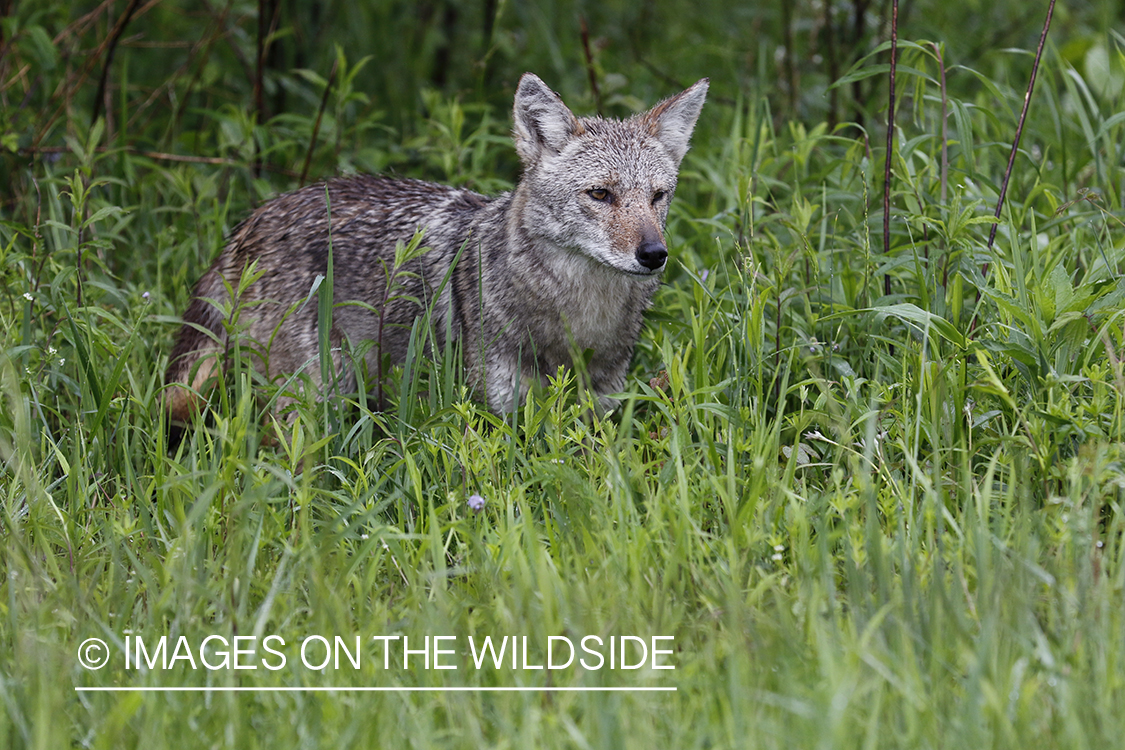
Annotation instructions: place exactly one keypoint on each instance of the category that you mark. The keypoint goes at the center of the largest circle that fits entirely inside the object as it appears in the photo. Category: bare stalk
(1015, 147)
(1019, 127)
(590, 70)
(890, 146)
(111, 47)
(319, 115)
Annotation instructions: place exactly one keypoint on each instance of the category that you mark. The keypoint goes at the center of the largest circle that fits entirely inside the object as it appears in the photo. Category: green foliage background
(875, 494)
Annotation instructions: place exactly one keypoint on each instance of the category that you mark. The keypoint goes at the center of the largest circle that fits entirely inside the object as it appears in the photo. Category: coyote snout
(652, 254)
(566, 263)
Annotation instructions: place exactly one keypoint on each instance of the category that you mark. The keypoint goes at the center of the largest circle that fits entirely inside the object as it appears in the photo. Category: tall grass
(851, 547)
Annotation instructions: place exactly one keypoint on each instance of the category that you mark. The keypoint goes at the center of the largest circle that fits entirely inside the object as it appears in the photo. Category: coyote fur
(565, 264)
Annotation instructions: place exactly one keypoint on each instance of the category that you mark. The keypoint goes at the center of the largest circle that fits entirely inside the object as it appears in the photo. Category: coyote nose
(652, 254)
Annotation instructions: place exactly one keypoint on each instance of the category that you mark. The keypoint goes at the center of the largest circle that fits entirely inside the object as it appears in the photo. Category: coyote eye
(658, 196)
(600, 194)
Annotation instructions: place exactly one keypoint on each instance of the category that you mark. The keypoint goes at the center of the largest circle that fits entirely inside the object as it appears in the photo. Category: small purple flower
(703, 276)
(476, 503)
(145, 296)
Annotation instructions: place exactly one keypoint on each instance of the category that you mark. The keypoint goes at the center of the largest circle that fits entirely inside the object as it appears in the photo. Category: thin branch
(111, 47)
(589, 55)
(72, 82)
(1015, 148)
(78, 27)
(1019, 127)
(159, 155)
(890, 146)
(319, 115)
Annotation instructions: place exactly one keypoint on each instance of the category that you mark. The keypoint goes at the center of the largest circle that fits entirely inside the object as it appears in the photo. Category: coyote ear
(542, 121)
(673, 119)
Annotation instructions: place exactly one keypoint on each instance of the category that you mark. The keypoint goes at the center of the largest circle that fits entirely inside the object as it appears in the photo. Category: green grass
(867, 520)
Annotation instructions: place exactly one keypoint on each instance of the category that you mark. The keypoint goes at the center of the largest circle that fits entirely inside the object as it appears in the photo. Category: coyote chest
(562, 266)
(596, 306)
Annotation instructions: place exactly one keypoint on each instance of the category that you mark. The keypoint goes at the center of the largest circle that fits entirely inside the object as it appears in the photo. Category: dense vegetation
(874, 493)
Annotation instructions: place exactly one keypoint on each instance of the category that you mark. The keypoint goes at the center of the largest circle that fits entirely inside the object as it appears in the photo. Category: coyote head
(601, 188)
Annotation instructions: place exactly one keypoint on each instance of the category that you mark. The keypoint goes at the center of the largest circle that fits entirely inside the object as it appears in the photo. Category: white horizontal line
(374, 689)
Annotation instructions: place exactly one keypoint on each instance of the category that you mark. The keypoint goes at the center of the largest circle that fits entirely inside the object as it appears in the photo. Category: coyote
(563, 265)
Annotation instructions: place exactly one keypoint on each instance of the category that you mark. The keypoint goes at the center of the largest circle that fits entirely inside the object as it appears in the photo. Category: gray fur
(547, 270)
